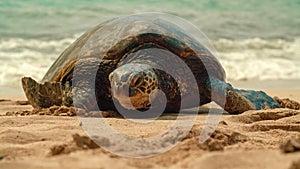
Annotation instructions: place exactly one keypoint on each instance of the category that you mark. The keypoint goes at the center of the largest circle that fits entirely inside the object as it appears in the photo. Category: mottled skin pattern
(122, 41)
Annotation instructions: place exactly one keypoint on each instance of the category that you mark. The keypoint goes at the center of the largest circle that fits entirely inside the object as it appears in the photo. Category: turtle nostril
(118, 84)
(114, 84)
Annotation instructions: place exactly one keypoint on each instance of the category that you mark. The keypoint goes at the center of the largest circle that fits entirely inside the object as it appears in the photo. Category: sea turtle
(119, 62)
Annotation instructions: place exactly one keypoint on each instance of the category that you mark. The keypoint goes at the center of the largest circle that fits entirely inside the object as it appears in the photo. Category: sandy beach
(253, 139)
(257, 43)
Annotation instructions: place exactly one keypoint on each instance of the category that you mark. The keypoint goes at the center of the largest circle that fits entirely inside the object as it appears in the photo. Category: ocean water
(255, 39)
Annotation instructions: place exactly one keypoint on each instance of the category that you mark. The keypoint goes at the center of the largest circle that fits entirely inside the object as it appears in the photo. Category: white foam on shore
(23, 57)
(259, 59)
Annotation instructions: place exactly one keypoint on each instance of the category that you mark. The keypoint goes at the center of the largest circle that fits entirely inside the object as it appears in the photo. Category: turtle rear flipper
(237, 103)
(47, 94)
(238, 100)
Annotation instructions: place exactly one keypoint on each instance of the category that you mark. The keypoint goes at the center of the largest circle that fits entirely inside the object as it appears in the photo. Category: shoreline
(280, 88)
(288, 84)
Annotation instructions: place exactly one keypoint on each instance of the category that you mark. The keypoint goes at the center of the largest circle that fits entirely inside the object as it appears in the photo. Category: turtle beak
(121, 93)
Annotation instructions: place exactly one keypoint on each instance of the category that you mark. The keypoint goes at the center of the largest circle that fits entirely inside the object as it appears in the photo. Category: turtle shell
(114, 42)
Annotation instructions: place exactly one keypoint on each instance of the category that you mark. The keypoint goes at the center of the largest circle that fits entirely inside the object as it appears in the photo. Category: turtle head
(133, 85)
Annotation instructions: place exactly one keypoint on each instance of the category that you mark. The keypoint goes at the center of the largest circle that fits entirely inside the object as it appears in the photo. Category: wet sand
(254, 139)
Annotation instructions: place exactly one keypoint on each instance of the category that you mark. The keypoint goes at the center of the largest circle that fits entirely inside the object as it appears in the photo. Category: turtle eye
(137, 80)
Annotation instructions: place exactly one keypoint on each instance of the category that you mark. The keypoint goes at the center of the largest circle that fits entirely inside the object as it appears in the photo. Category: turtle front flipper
(47, 94)
(237, 101)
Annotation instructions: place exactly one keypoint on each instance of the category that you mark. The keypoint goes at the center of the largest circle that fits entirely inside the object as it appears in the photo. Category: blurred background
(256, 40)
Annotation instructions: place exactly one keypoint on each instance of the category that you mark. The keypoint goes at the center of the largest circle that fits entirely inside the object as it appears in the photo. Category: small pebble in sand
(22, 102)
(79, 142)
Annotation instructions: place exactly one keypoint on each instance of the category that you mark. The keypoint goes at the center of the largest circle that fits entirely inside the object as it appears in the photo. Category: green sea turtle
(119, 63)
